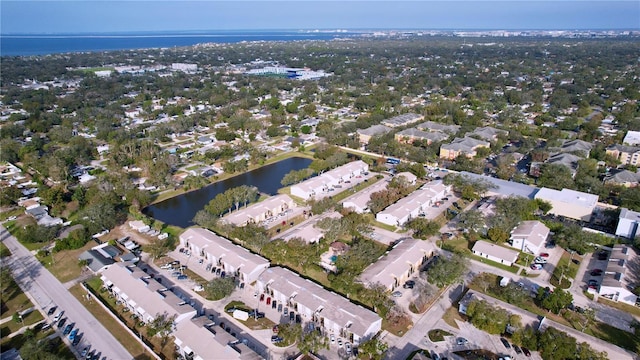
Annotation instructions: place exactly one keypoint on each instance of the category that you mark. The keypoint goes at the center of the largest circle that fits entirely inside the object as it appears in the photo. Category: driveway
(47, 291)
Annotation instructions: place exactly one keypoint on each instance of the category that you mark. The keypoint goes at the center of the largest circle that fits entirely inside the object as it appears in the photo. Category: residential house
(488, 133)
(322, 183)
(218, 252)
(462, 146)
(438, 127)
(579, 147)
(96, 261)
(624, 178)
(258, 212)
(328, 311)
(627, 155)
(397, 265)
(628, 222)
(565, 159)
(618, 279)
(529, 236)
(402, 120)
(503, 188)
(408, 136)
(408, 177)
(414, 204)
(494, 252)
(632, 138)
(465, 301)
(143, 294)
(200, 339)
(569, 203)
(360, 200)
(364, 135)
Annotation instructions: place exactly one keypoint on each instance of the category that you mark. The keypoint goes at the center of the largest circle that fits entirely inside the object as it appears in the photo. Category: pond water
(181, 209)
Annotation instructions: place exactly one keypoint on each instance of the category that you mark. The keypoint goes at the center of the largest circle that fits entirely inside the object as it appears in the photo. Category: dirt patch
(124, 230)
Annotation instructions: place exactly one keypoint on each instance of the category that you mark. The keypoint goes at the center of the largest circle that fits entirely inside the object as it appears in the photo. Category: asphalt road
(47, 291)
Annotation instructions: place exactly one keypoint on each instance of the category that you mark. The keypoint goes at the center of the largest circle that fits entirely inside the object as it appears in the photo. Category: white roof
(258, 209)
(575, 198)
(397, 261)
(415, 200)
(632, 138)
(361, 199)
(232, 254)
(534, 231)
(496, 251)
(313, 296)
(132, 284)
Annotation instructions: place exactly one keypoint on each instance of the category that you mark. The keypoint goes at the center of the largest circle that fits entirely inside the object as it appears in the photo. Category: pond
(180, 210)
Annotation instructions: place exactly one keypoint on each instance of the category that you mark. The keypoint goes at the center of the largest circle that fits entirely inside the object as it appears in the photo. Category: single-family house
(529, 236)
(494, 252)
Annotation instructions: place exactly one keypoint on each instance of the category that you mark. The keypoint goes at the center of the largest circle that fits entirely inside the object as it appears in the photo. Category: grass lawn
(32, 318)
(64, 264)
(436, 335)
(13, 299)
(570, 271)
(251, 323)
(620, 306)
(495, 264)
(114, 326)
(451, 315)
(398, 328)
(616, 336)
(4, 251)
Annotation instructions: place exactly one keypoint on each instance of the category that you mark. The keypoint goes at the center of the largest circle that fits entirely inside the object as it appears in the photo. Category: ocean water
(24, 45)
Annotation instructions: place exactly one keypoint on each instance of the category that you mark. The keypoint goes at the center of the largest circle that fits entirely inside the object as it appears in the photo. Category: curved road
(47, 291)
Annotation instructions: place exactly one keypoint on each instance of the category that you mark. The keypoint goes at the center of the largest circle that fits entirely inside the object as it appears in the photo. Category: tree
(312, 342)
(554, 301)
(471, 189)
(555, 344)
(162, 325)
(446, 271)
(423, 228)
(373, 349)
(219, 288)
(471, 220)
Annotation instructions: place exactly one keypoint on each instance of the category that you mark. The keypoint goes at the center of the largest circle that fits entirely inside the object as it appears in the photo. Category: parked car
(536, 266)
(67, 329)
(526, 351)
(292, 316)
(279, 307)
(61, 322)
(276, 339)
(593, 284)
(274, 304)
(261, 297)
(332, 338)
(461, 341)
(596, 272)
(396, 294)
(540, 260)
(84, 352)
(183, 277)
(58, 315)
(286, 311)
(544, 255)
(517, 349)
(603, 255)
(339, 342)
(73, 334)
(347, 348)
(505, 343)
(275, 329)
(52, 310)
(409, 284)
(89, 355)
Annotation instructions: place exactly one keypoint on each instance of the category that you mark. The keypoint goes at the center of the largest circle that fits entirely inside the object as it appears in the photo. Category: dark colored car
(596, 272)
(89, 355)
(505, 343)
(298, 319)
(276, 339)
(292, 316)
(593, 283)
(603, 255)
(52, 310)
(84, 352)
(409, 284)
(67, 329)
(61, 322)
(274, 304)
(526, 351)
(517, 349)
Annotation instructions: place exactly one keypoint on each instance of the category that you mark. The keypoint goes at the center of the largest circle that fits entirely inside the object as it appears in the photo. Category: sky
(89, 16)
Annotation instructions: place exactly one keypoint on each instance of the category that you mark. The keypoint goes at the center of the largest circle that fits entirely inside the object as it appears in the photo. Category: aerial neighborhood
(392, 196)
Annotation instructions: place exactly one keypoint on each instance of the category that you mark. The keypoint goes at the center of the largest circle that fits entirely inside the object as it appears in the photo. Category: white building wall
(619, 294)
(627, 228)
(492, 258)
